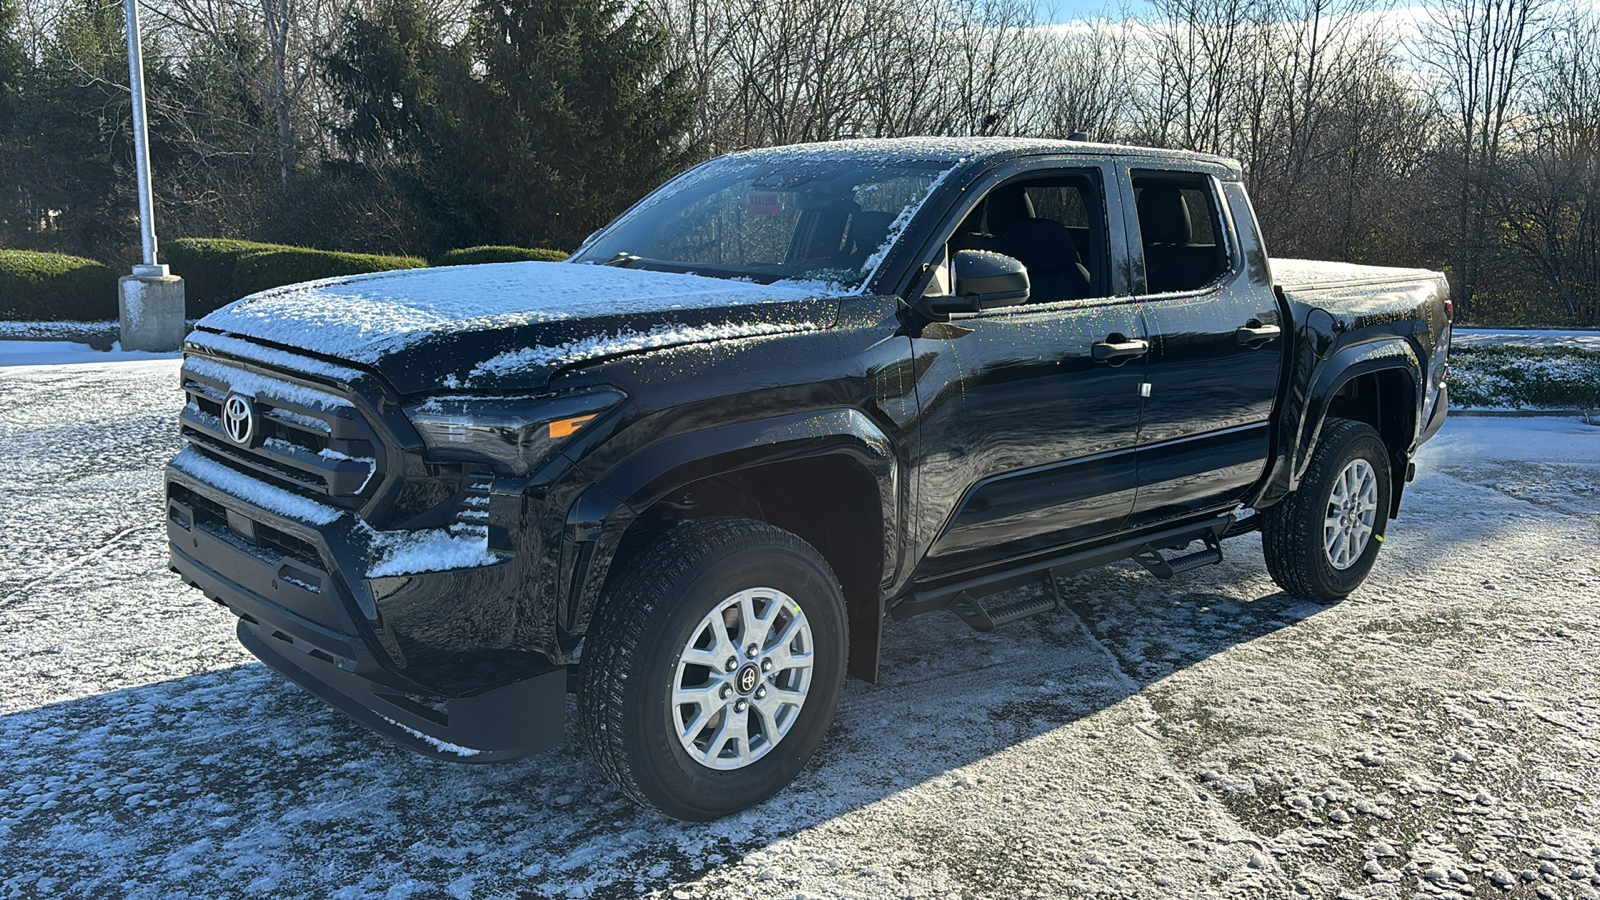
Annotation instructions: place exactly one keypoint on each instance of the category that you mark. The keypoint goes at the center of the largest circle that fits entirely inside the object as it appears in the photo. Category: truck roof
(987, 150)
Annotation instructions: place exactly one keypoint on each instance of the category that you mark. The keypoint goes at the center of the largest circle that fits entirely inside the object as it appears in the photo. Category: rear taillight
(1449, 309)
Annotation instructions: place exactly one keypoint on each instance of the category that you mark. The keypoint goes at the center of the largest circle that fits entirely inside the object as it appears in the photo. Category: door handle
(1256, 333)
(1107, 350)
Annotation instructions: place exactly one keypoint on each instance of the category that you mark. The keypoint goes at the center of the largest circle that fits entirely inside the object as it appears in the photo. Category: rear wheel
(713, 667)
(1321, 541)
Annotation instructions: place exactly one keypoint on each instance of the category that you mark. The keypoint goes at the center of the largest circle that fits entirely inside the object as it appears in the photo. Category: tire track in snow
(1232, 830)
(94, 553)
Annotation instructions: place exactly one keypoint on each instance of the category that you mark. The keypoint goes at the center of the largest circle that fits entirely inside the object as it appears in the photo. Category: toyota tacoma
(689, 473)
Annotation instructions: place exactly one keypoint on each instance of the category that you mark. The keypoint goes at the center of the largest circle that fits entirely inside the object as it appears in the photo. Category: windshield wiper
(622, 260)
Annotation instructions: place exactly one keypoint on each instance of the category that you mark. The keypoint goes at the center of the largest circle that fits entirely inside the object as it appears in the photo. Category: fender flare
(1300, 435)
(602, 514)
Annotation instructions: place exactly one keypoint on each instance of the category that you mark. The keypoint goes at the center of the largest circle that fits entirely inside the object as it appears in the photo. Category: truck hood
(510, 326)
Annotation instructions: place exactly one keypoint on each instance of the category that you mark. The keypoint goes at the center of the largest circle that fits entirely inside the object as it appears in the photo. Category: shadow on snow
(239, 778)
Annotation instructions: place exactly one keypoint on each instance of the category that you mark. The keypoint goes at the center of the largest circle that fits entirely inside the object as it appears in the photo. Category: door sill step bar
(945, 595)
(1164, 567)
(983, 618)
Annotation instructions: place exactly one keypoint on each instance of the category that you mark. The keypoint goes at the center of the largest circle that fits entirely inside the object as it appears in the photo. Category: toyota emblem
(239, 419)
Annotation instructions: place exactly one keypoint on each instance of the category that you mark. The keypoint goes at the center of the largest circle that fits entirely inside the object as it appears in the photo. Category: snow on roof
(365, 317)
(962, 149)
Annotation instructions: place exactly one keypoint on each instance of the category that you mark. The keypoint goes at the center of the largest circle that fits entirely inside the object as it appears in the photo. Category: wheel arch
(830, 478)
(1378, 384)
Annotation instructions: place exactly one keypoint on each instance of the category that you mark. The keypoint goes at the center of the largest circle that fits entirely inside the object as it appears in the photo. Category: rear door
(1216, 346)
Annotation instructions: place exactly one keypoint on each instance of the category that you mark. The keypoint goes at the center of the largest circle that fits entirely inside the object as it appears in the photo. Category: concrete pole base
(151, 308)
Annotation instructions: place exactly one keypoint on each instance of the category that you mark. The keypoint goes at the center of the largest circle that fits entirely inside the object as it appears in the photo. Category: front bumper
(298, 615)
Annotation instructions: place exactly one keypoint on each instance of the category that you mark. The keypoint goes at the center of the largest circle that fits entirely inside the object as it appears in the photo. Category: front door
(1026, 441)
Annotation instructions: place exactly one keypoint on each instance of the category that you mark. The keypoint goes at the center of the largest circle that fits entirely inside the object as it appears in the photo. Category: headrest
(1044, 246)
(1005, 207)
(867, 231)
(1163, 215)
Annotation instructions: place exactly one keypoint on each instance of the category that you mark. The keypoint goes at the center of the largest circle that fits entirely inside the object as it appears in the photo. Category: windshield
(772, 217)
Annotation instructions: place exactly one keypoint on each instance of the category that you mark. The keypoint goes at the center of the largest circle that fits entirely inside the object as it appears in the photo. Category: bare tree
(1480, 53)
(1551, 202)
(291, 36)
(1087, 79)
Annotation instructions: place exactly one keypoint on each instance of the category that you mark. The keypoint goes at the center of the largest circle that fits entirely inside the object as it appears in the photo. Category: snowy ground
(55, 353)
(1525, 337)
(1438, 734)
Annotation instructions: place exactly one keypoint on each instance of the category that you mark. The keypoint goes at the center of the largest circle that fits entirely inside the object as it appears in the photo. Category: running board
(1162, 567)
(987, 618)
(943, 596)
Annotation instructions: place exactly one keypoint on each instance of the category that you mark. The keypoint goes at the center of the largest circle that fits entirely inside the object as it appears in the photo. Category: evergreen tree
(575, 114)
(390, 73)
(401, 83)
(75, 152)
(12, 61)
(14, 208)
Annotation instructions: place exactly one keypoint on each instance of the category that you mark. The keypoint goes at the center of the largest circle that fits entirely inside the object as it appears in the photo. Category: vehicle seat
(1045, 246)
(1172, 262)
(868, 230)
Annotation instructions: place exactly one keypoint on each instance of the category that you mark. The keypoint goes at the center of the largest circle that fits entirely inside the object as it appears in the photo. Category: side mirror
(984, 280)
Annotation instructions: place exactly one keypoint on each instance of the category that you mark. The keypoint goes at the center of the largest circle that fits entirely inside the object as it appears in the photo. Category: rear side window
(1179, 227)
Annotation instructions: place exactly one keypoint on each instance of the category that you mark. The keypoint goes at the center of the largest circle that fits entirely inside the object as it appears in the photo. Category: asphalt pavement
(1436, 734)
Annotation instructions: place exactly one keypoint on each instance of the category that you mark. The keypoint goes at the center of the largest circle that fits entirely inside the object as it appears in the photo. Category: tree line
(1466, 137)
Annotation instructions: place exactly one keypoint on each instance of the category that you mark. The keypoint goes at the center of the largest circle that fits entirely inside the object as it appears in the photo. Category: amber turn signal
(566, 427)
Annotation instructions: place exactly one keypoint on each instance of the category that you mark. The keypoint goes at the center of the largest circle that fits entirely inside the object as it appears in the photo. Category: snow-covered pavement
(1438, 734)
(1525, 337)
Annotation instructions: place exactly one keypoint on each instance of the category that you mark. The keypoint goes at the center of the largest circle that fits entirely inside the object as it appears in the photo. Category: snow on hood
(451, 326)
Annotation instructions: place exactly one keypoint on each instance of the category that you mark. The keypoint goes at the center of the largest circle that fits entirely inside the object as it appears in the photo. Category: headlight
(512, 434)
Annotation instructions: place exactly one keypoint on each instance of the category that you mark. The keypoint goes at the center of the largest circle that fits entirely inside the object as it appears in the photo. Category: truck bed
(1291, 274)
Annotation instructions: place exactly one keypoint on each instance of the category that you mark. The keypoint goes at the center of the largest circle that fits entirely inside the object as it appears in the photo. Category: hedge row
(471, 256)
(292, 265)
(215, 271)
(51, 287)
(1497, 377)
(206, 267)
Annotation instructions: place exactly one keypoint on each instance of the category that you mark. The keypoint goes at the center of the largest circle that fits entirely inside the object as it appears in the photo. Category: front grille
(266, 542)
(305, 436)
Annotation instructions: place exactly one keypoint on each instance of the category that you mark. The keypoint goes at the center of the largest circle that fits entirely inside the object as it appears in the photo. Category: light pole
(141, 144)
(149, 301)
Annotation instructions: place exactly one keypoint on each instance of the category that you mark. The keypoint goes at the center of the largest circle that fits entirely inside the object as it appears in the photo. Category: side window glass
(1055, 225)
(1179, 229)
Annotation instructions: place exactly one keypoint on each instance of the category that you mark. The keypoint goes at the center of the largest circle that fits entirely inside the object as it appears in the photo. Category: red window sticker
(762, 205)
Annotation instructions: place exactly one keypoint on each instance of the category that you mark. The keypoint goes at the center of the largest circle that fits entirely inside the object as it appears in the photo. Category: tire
(749, 729)
(1321, 541)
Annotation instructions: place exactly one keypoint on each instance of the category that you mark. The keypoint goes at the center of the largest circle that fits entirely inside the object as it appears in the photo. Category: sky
(1068, 10)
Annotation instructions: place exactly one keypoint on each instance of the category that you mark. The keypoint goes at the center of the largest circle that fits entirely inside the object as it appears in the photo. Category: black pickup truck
(688, 474)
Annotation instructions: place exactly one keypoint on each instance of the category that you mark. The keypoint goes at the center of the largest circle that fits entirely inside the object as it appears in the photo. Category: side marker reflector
(566, 427)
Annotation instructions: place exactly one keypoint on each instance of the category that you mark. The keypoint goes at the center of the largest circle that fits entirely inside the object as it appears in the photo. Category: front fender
(600, 518)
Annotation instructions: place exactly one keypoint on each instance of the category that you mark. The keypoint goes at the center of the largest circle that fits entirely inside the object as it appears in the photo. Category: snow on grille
(256, 385)
(237, 484)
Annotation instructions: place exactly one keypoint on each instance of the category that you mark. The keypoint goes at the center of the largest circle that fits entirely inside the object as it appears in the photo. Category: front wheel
(713, 667)
(1321, 541)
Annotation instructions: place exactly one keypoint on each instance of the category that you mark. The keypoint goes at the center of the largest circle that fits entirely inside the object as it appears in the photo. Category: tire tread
(620, 631)
(1285, 523)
